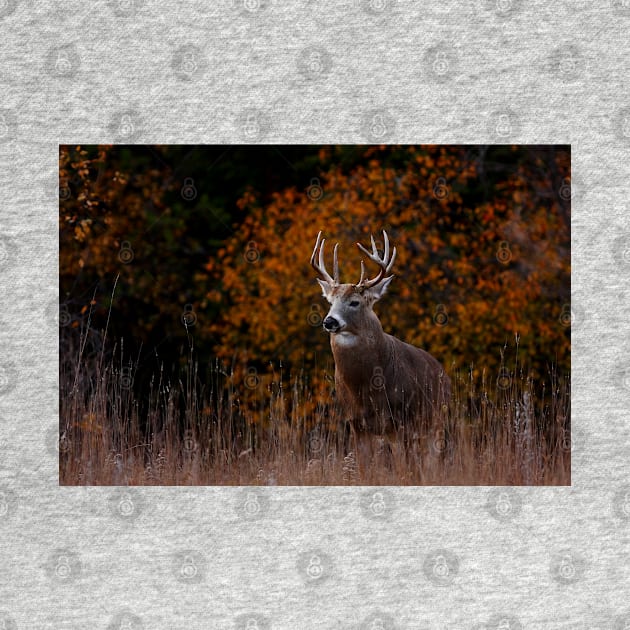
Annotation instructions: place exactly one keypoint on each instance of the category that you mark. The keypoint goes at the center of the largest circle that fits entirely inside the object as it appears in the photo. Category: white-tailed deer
(385, 386)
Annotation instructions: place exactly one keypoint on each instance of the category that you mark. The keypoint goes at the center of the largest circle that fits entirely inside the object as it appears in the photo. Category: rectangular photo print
(315, 315)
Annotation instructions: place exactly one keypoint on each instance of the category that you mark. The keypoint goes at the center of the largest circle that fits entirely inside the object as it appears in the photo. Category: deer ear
(379, 290)
(326, 288)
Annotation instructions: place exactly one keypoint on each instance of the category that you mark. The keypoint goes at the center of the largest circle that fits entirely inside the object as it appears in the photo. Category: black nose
(331, 324)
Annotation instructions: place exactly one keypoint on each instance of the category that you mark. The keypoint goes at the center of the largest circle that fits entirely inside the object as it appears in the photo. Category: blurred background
(204, 251)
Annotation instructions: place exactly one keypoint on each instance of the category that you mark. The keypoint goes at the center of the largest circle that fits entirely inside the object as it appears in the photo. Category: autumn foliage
(470, 279)
(483, 239)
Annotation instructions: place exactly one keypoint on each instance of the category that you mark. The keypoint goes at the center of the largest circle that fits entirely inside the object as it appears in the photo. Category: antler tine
(362, 274)
(321, 267)
(319, 235)
(322, 264)
(386, 242)
(386, 254)
(313, 263)
(336, 264)
(386, 263)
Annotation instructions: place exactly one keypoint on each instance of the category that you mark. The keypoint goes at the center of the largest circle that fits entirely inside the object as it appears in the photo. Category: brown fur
(385, 385)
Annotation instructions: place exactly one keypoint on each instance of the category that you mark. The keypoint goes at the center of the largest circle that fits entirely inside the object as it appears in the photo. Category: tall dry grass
(501, 429)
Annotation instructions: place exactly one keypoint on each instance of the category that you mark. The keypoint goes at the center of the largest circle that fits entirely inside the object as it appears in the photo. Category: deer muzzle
(331, 324)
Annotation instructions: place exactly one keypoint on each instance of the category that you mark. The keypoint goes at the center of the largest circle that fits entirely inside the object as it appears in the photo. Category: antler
(321, 267)
(386, 263)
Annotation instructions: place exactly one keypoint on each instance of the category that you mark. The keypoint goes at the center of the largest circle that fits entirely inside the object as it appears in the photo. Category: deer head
(351, 315)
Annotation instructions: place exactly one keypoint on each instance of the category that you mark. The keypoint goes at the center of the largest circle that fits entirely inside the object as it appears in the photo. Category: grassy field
(502, 429)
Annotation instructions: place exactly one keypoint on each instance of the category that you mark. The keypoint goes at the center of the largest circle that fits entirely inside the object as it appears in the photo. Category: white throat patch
(345, 338)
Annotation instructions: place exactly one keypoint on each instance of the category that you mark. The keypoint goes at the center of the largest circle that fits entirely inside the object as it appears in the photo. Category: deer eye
(354, 303)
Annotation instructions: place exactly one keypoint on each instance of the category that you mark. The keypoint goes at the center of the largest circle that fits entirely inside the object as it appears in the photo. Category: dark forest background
(205, 249)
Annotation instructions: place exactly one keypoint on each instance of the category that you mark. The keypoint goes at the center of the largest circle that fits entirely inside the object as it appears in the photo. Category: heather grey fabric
(305, 72)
